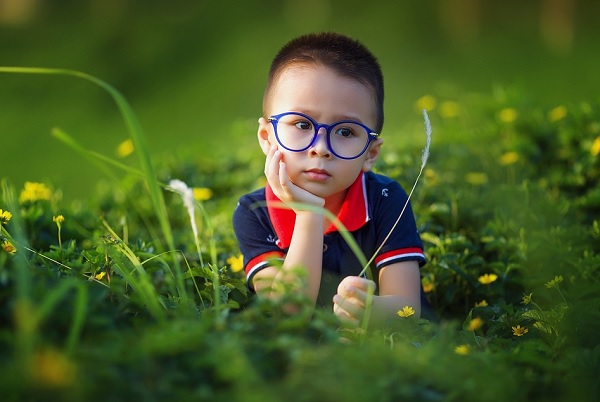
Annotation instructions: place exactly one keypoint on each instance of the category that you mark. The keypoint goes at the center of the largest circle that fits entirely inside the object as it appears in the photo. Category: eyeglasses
(346, 139)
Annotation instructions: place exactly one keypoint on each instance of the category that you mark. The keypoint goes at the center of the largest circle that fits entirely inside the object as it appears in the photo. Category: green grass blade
(141, 283)
(94, 157)
(25, 331)
(79, 310)
(139, 143)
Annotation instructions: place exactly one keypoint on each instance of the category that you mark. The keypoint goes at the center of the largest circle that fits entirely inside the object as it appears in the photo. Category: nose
(319, 146)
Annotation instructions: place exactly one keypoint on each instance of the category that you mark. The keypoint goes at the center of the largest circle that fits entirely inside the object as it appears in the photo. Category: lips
(317, 174)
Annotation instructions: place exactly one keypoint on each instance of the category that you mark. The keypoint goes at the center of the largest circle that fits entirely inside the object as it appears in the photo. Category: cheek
(292, 162)
(290, 158)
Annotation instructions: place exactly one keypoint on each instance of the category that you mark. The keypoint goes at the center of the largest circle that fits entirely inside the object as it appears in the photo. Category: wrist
(310, 218)
(310, 203)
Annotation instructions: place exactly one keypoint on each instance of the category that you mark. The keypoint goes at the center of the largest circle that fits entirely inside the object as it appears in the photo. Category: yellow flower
(476, 178)
(406, 311)
(431, 176)
(33, 191)
(449, 109)
(125, 148)
(475, 324)
(426, 102)
(556, 114)
(428, 286)
(236, 263)
(486, 279)
(508, 115)
(482, 303)
(519, 330)
(8, 247)
(509, 158)
(527, 298)
(554, 282)
(100, 275)
(595, 150)
(462, 350)
(5, 216)
(202, 193)
(58, 219)
(52, 368)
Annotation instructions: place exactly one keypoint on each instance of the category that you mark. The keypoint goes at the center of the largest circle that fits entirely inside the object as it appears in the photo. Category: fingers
(348, 314)
(272, 164)
(350, 301)
(356, 287)
(277, 176)
(281, 183)
(276, 173)
(284, 179)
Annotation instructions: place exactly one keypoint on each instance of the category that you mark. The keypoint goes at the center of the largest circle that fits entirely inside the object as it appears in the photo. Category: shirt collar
(353, 213)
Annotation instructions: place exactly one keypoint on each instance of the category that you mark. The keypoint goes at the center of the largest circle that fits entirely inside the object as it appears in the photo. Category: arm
(307, 237)
(400, 285)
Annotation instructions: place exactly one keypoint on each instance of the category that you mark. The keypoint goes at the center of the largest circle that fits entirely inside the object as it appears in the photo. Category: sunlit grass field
(194, 73)
(107, 292)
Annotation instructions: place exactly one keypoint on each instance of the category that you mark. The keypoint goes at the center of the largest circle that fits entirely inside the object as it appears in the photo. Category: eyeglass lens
(296, 133)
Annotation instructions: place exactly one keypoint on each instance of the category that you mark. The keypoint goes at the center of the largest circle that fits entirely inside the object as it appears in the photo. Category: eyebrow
(312, 113)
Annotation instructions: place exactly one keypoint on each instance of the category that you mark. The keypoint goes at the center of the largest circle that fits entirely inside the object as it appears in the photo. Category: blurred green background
(194, 71)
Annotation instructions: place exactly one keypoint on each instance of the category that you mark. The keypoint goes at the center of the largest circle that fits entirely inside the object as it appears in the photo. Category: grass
(123, 300)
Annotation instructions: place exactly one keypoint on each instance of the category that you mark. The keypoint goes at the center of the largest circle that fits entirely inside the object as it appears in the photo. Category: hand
(351, 298)
(283, 187)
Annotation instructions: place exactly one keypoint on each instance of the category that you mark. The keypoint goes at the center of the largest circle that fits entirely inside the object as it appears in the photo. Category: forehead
(322, 92)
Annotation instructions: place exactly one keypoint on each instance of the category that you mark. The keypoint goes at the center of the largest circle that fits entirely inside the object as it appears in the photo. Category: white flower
(425, 154)
(187, 195)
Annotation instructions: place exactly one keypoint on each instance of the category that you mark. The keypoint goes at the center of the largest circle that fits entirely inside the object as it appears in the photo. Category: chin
(319, 190)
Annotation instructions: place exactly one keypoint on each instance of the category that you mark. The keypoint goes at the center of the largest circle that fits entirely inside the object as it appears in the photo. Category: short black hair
(346, 56)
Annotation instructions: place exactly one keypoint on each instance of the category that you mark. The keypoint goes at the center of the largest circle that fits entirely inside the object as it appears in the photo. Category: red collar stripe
(353, 213)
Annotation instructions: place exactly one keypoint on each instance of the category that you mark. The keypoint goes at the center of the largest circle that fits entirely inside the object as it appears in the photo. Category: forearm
(305, 252)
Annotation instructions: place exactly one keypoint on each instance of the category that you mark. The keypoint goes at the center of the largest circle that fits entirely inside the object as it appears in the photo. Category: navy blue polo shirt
(373, 203)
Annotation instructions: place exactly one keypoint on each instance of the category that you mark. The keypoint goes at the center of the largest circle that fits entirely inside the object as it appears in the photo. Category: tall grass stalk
(141, 283)
(25, 330)
(51, 300)
(214, 262)
(140, 145)
(187, 196)
(366, 266)
(424, 158)
(29, 314)
(95, 158)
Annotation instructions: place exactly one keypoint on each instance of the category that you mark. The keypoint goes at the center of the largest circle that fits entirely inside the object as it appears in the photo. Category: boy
(322, 115)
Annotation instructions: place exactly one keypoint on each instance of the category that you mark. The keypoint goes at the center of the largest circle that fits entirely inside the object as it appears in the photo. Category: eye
(345, 132)
(303, 125)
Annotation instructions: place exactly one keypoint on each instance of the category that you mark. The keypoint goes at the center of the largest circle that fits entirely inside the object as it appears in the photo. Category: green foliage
(95, 306)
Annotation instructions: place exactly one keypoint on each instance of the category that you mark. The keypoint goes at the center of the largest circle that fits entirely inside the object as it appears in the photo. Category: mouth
(317, 174)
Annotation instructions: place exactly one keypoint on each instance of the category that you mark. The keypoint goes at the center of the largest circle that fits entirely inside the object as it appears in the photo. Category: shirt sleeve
(403, 243)
(255, 235)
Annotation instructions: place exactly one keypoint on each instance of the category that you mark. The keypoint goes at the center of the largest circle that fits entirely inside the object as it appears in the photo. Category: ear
(264, 135)
(372, 154)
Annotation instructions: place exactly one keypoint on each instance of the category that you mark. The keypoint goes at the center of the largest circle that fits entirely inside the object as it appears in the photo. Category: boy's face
(327, 97)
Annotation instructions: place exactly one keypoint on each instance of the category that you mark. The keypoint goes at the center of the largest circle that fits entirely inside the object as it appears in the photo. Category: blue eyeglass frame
(317, 126)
